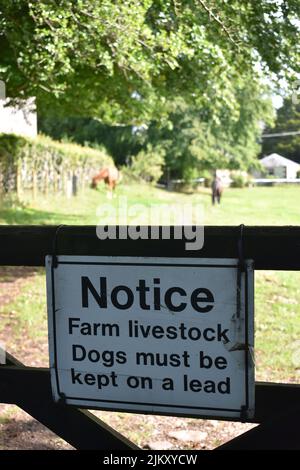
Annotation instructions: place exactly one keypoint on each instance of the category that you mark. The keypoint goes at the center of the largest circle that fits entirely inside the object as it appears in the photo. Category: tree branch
(217, 20)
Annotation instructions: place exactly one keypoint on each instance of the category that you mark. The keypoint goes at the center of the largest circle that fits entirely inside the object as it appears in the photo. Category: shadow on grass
(11, 273)
(27, 216)
(29, 434)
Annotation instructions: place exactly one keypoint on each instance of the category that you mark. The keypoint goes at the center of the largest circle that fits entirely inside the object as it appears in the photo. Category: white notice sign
(159, 335)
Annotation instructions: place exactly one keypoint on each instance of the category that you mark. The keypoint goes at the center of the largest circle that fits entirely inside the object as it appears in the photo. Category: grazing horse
(110, 176)
(217, 190)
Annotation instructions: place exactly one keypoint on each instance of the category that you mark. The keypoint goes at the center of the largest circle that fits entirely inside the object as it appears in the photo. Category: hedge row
(42, 164)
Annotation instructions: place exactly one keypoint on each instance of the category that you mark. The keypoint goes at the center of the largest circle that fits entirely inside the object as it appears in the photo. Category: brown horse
(110, 176)
(217, 189)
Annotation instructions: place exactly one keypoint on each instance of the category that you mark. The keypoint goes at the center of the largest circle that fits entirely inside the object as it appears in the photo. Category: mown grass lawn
(277, 294)
(251, 206)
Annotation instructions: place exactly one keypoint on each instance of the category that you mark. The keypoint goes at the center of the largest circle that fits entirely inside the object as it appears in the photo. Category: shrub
(208, 178)
(147, 164)
(43, 163)
(240, 180)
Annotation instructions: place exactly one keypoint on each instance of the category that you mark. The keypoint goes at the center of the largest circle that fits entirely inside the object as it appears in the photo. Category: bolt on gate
(277, 405)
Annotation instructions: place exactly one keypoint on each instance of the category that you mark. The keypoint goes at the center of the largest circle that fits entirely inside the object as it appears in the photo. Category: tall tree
(288, 120)
(189, 139)
(193, 143)
(121, 60)
(121, 142)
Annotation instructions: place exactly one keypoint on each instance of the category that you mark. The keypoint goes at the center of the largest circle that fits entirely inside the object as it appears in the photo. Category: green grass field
(277, 294)
(251, 206)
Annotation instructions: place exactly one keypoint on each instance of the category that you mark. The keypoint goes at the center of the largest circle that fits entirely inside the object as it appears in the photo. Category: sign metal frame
(242, 413)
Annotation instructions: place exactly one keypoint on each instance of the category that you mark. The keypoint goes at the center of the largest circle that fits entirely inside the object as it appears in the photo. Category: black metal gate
(277, 406)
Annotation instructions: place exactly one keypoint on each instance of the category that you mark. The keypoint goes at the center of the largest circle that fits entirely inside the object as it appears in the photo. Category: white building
(20, 120)
(280, 167)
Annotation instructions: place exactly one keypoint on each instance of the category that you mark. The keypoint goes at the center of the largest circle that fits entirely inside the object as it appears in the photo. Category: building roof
(275, 160)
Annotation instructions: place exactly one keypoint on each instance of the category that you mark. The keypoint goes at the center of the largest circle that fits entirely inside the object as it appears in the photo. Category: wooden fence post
(34, 184)
(68, 185)
(19, 181)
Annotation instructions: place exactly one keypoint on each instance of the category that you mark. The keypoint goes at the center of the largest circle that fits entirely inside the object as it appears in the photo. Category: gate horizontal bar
(30, 389)
(271, 399)
(276, 248)
(281, 432)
